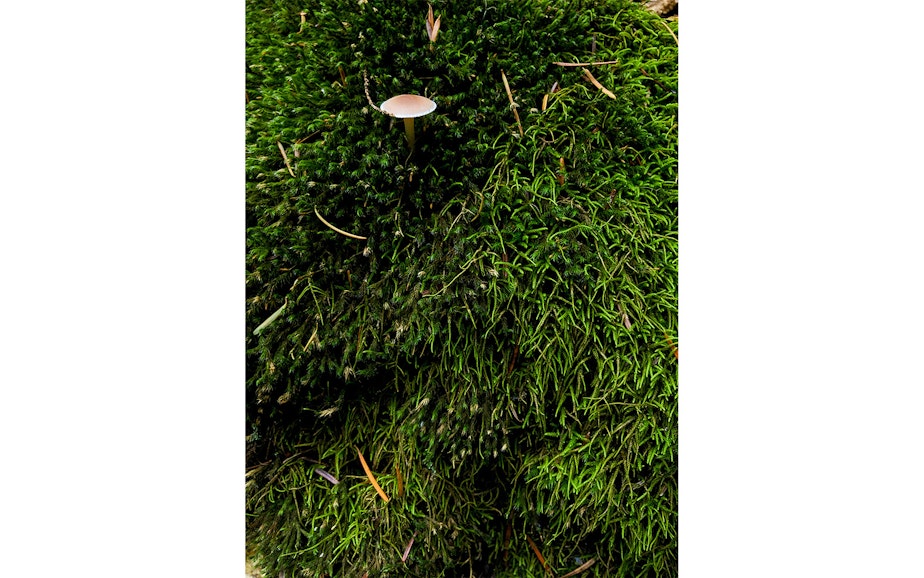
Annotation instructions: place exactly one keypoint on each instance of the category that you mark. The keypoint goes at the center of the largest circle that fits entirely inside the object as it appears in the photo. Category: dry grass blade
(333, 228)
(400, 481)
(513, 105)
(596, 83)
(375, 484)
(538, 554)
(285, 158)
(585, 63)
(580, 568)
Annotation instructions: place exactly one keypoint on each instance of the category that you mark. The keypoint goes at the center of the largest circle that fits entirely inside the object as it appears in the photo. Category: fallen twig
(333, 228)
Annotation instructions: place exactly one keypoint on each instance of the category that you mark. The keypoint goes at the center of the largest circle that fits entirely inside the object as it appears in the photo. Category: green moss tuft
(504, 335)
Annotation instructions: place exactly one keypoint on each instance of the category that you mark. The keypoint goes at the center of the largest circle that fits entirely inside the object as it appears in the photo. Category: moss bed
(500, 346)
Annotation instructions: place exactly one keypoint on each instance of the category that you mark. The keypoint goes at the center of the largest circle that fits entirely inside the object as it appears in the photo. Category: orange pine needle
(538, 554)
(375, 484)
(673, 348)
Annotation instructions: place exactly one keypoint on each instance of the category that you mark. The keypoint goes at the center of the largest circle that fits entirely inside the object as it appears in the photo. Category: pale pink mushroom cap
(408, 106)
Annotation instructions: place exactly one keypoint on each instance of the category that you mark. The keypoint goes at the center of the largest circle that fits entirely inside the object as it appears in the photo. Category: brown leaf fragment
(661, 7)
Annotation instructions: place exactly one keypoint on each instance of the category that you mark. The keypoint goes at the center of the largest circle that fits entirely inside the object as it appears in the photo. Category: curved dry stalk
(285, 158)
(666, 25)
(335, 229)
(513, 105)
(366, 89)
(596, 83)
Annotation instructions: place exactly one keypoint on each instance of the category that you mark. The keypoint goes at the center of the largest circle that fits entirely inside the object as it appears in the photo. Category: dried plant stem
(271, 318)
(366, 89)
(513, 105)
(333, 228)
(596, 83)
(285, 158)
(671, 31)
(580, 568)
(375, 484)
(585, 63)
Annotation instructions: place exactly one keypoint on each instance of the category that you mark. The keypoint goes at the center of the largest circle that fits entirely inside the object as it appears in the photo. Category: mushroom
(408, 107)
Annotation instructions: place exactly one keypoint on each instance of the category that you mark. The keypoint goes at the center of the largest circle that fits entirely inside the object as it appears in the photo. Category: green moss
(503, 335)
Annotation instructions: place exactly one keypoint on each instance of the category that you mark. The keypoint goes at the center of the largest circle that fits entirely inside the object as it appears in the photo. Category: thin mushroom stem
(409, 131)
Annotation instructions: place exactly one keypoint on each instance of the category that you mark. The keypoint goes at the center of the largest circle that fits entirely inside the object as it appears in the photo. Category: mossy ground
(501, 347)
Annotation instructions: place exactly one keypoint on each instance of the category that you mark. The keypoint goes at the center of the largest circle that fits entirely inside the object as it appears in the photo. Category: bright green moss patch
(504, 335)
